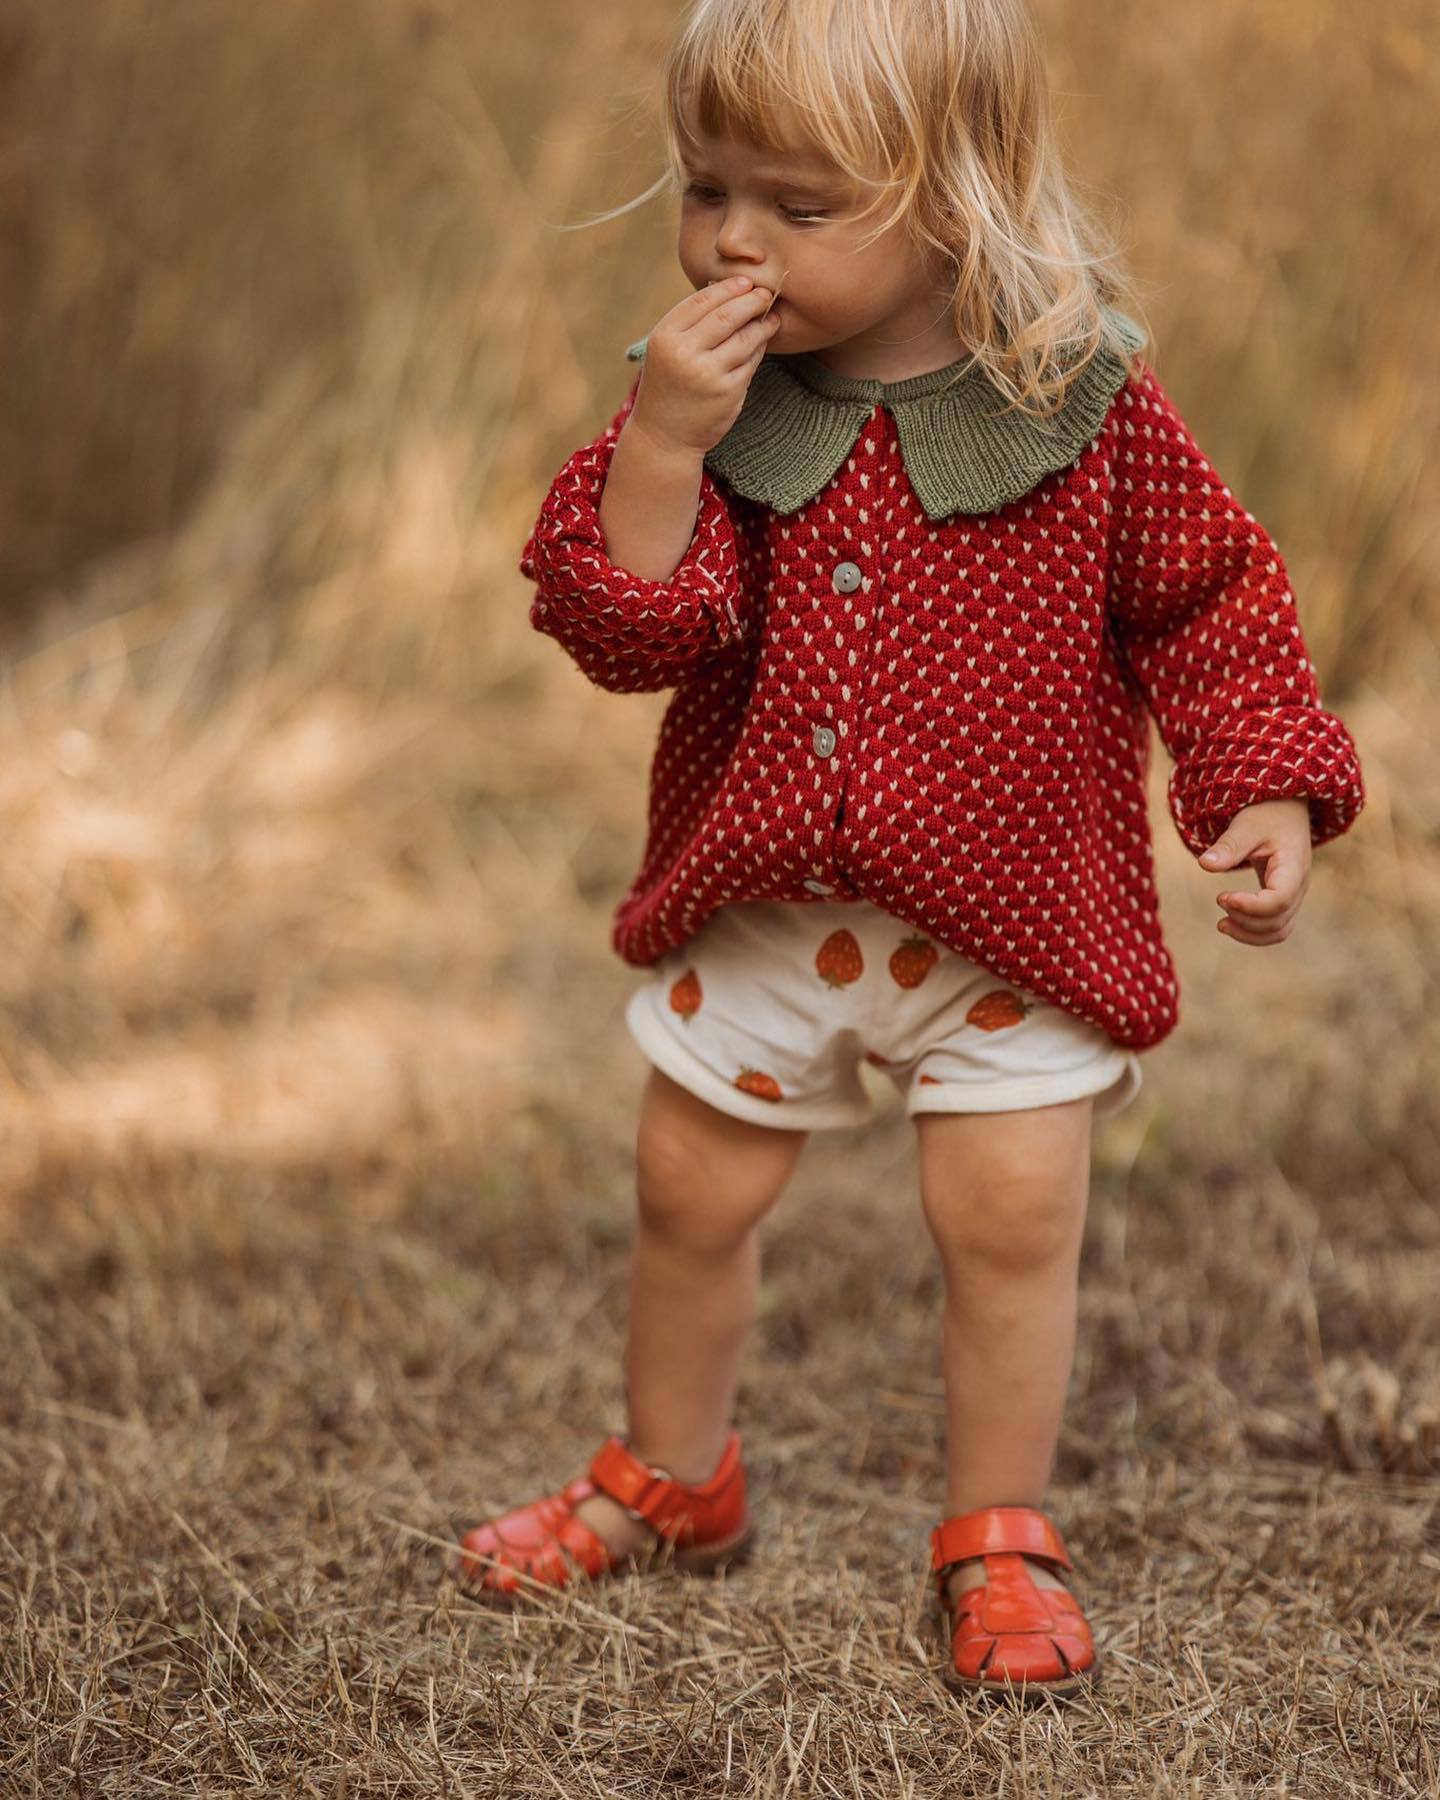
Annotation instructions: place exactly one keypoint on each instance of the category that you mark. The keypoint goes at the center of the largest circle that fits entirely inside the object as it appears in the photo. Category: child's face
(792, 218)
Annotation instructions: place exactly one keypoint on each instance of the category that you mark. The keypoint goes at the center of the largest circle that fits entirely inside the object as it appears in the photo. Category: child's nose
(739, 239)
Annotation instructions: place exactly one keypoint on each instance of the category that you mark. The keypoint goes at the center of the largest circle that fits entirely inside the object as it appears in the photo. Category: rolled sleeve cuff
(1283, 752)
(569, 559)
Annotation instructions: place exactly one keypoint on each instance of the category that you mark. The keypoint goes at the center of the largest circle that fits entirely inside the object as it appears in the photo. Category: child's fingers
(1282, 885)
(1260, 906)
(705, 302)
(747, 344)
(1281, 891)
(723, 322)
(1274, 933)
(689, 312)
(1265, 917)
(706, 299)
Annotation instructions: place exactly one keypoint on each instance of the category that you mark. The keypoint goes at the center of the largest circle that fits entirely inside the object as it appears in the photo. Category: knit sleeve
(1202, 613)
(628, 634)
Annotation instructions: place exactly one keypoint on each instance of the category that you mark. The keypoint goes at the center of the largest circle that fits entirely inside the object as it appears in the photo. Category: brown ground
(317, 1142)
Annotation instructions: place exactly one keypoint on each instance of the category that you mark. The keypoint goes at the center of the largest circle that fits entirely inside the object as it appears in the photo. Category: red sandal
(1006, 1629)
(708, 1524)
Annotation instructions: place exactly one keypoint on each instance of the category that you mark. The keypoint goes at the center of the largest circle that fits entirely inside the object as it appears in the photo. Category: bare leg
(704, 1182)
(1005, 1196)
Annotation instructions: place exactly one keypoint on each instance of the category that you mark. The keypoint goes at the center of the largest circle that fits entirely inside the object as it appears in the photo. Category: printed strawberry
(997, 1009)
(757, 1082)
(913, 961)
(685, 996)
(880, 1062)
(838, 960)
(930, 1081)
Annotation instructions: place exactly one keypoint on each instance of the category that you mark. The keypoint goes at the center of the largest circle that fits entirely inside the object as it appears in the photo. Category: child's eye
(707, 196)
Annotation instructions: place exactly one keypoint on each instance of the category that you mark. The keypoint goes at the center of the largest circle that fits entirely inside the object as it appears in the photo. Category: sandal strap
(654, 1494)
(996, 1528)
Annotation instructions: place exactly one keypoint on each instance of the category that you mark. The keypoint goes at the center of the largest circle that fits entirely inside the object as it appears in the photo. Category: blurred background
(316, 1103)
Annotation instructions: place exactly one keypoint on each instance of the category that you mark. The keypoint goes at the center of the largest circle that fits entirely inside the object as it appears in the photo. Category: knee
(1007, 1226)
(687, 1200)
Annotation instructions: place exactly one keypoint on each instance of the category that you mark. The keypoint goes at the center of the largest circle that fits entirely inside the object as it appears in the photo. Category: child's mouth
(774, 305)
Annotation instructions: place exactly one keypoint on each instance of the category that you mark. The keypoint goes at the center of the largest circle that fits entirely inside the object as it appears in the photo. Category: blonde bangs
(751, 72)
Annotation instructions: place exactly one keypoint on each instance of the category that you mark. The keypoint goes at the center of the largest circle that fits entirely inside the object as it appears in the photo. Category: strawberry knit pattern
(916, 648)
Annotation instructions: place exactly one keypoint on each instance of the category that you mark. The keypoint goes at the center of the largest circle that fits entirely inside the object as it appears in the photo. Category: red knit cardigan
(963, 737)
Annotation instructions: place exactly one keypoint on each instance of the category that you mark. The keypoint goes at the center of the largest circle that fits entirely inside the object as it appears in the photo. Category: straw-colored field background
(316, 1103)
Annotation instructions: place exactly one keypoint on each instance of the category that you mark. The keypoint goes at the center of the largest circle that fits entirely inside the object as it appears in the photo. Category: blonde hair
(945, 105)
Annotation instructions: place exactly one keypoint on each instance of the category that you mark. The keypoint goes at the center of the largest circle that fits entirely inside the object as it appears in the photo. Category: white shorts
(768, 1009)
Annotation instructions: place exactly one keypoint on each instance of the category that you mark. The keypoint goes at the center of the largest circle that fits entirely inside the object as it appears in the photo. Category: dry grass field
(317, 1129)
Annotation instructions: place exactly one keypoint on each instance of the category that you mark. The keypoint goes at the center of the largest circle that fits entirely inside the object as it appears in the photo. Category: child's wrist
(642, 435)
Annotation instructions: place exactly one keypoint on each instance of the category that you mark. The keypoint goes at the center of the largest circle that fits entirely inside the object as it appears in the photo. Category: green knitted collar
(800, 420)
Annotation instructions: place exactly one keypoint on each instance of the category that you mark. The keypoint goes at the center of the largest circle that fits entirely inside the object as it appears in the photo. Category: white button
(818, 887)
(846, 578)
(824, 740)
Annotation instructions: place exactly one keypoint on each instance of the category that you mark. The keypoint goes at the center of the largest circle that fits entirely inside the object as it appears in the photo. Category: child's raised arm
(636, 632)
(1204, 618)
(629, 634)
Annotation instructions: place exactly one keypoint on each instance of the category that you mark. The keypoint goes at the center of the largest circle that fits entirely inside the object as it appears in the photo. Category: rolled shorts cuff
(1113, 1088)
(672, 1058)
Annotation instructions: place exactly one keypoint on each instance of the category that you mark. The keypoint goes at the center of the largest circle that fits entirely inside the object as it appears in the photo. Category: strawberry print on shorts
(768, 1010)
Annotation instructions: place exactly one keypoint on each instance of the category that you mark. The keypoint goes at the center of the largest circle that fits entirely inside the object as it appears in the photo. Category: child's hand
(1274, 836)
(698, 363)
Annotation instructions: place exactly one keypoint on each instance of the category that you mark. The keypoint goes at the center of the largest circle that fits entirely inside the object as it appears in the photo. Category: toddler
(902, 514)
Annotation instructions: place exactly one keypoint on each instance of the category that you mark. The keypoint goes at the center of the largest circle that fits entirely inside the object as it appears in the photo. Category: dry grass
(318, 1107)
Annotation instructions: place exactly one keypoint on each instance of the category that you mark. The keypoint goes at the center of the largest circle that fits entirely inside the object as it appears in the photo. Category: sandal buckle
(655, 1475)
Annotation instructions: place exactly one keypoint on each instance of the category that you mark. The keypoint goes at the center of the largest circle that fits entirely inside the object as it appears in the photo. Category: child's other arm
(1202, 613)
(632, 632)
